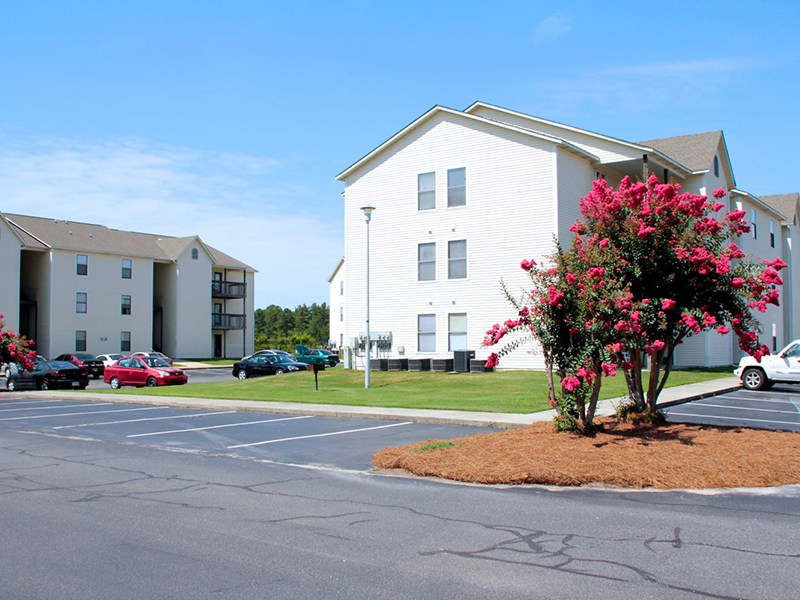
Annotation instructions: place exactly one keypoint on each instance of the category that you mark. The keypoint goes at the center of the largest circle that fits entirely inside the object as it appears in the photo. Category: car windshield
(85, 357)
(154, 361)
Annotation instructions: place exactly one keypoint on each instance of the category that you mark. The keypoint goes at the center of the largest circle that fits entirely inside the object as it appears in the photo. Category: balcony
(228, 289)
(227, 321)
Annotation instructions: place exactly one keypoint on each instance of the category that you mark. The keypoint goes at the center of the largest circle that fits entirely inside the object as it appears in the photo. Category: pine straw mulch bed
(626, 454)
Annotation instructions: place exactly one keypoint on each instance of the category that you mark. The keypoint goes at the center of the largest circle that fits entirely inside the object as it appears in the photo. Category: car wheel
(151, 382)
(11, 385)
(83, 387)
(242, 374)
(279, 371)
(45, 386)
(7, 372)
(754, 379)
(114, 383)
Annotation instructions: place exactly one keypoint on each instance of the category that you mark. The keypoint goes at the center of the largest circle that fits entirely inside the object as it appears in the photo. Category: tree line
(276, 327)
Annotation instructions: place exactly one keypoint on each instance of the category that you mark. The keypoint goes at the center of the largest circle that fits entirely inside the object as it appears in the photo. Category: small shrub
(434, 446)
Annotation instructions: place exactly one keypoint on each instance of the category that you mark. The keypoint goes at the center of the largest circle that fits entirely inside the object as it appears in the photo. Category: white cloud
(238, 203)
(552, 28)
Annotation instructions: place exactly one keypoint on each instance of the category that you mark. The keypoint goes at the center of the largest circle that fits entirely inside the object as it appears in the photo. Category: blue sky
(231, 119)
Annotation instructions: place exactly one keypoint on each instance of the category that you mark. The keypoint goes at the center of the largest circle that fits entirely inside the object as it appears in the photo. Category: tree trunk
(598, 378)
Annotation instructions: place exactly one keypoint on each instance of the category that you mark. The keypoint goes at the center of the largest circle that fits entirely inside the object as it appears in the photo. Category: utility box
(461, 360)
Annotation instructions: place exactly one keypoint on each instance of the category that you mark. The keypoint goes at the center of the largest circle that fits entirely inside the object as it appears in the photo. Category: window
(126, 305)
(341, 313)
(127, 268)
(426, 191)
(83, 264)
(341, 288)
(457, 187)
(716, 166)
(80, 341)
(774, 337)
(457, 259)
(426, 333)
(457, 332)
(753, 223)
(426, 261)
(194, 254)
(125, 341)
(81, 302)
(771, 233)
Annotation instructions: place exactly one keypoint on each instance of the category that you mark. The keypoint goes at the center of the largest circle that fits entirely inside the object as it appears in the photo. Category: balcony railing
(227, 321)
(228, 289)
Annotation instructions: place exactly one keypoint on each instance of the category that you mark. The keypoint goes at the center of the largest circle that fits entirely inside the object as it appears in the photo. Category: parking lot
(778, 408)
(284, 438)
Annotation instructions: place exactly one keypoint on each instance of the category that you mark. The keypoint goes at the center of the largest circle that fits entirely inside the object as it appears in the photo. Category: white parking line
(757, 400)
(726, 406)
(733, 418)
(218, 426)
(305, 437)
(216, 412)
(93, 412)
(56, 406)
(30, 402)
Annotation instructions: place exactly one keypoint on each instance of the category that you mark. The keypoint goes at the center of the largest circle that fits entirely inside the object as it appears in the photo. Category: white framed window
(716, 166)
(771, 233)
(753, 223)
(774, 337)
(81, 302)
(341, 313)
(127, 268)
(341, 288)
(426, 262)
(456, 331)
(82, 267)
(426, 191)
(125, 341)
(426, 333)
(457, 259)
(457, 187)
(126, 305)
(80, 341)
(195, 254)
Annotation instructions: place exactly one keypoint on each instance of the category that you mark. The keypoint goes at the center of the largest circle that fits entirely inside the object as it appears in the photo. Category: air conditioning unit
(461, 360)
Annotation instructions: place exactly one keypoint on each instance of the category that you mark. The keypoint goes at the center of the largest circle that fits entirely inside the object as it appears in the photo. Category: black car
(259, 365)
(50, 375)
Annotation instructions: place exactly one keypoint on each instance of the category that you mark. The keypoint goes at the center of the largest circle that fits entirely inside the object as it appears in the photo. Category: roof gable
(443, 110)
(697, 151)
(786, 204)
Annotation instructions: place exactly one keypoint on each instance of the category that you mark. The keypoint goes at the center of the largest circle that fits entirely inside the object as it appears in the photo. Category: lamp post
(367, 216)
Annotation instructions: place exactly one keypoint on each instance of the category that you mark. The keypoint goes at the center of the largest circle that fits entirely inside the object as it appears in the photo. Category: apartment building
(461, 197)
(74, 286)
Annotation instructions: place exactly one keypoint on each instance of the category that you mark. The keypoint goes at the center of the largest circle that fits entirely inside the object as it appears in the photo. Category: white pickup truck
(783, 367)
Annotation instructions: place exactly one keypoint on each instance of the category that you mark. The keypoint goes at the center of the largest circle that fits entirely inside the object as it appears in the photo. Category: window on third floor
(457, 187)
(127, 268)
(82, 264)
(426, 191)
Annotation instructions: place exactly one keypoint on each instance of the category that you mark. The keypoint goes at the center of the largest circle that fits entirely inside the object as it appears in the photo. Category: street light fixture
(367, 216)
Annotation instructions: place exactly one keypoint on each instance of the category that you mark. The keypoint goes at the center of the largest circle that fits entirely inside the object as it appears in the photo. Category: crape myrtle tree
(15, 348)
(648, 267)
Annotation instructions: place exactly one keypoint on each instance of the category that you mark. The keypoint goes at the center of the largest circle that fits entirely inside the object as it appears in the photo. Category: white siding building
(74, 286)
(462, 197)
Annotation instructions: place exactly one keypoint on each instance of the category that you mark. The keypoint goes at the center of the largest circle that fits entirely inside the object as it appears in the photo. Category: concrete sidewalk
(669, 397)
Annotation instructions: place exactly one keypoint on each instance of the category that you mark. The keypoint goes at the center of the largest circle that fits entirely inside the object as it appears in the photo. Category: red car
(92, 365)
(142, 371)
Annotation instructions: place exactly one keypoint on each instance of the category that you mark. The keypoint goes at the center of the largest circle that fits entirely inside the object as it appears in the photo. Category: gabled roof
(639, 146)
(443, 110)
(40, 233)
(696, 150)
(336, 270)
(785, 203)
(759, 202)
(15, 231)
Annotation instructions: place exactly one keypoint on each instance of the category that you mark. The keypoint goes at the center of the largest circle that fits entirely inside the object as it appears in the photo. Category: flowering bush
(648, 267)
(14, 348)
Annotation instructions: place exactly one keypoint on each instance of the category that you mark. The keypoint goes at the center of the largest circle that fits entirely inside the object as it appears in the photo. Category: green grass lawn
(507, 391)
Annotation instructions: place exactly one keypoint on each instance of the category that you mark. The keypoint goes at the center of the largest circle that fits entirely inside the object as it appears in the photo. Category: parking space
(286, 438)
(211, 375)
(778, 408)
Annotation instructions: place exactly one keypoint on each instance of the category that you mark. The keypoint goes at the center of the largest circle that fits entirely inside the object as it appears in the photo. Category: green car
(319, 357)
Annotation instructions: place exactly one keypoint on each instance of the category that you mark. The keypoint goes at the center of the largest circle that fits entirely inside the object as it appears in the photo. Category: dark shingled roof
(73, 235)
(695, 151)
(783, 203)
